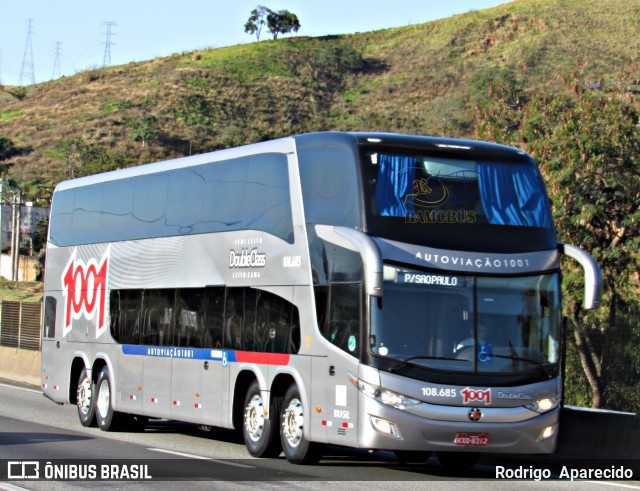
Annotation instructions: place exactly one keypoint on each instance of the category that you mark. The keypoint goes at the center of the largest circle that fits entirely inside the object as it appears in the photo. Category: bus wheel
(84, 399)
(297, 449)
(457, 461)
(107, 418)
(259, 432)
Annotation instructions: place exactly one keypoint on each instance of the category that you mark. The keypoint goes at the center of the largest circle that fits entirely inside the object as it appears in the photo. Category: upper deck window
(247, 193)
(429, 188)
(457, 204)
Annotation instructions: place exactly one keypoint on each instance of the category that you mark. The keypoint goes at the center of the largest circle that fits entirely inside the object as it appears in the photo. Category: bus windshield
(413, 195)
(467, 324)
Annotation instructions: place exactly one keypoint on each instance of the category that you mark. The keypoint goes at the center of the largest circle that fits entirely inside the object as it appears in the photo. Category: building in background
(31, 219)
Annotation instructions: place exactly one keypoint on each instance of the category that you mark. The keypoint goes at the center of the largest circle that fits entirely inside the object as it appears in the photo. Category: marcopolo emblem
(84, 288)
(474, 415)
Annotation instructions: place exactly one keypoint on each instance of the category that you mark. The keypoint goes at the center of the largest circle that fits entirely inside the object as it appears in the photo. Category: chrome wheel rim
(84, 395)
(254, 418)
(293, 422)
(104, 396)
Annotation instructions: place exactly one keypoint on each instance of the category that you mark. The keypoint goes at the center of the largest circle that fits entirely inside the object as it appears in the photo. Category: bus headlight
(547, 433)
(544, 405)
(384, 396)
(384, 426)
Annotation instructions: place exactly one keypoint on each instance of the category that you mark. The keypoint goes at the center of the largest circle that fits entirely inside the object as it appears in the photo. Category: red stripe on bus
(262, 358)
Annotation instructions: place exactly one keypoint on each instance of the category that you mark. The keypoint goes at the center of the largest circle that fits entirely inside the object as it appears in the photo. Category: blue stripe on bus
(178, 352)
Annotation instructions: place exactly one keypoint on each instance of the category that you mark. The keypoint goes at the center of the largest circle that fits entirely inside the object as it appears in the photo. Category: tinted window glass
(250, 193)
(437, 190)
(184, 201)
(249, 319)
(127, 315)
(442, 201)
(250, 338)
(61, 215)
(342, 327)
(330, 187)
(49, 324)
(224, 189)
(87, 209)
(116, 216)
(266, 200)
(150, 197)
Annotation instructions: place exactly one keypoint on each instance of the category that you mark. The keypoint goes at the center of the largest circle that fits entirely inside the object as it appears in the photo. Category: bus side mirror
(592, 274)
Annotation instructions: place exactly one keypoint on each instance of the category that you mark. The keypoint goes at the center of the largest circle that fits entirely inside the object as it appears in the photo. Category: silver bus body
(156, 309)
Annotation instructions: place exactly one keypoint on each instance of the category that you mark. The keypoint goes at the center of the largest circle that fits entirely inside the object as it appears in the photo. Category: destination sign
(429, 279)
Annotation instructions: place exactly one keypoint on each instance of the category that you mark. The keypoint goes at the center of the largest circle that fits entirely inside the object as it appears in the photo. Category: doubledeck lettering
(246, 259)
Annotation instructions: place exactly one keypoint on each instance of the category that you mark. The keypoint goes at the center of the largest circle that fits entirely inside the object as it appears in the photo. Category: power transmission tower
(28, 71)
(56, 63)
(107, 44)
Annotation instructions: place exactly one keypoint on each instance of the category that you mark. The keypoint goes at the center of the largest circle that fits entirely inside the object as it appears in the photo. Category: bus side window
(343, 327)
(233, 318)
(266, 320)
(293, 341)
(249, 334)
(274, 323)
(159, 307)
(127, 318)
(49, 324)
(213, 317)
(194, 308)
(322, 300)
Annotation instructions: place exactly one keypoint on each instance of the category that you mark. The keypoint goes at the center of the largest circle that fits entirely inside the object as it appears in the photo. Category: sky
(145, 29)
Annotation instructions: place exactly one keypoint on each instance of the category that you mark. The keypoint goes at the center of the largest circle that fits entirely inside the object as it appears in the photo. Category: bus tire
(259, 432)
(108, 419)
(297, 449)
(85, 399)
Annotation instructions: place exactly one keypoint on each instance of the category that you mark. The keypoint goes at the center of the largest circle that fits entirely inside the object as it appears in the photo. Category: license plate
(472, 439)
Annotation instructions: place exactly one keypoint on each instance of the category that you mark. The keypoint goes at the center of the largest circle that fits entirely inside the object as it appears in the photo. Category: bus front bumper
(492, 430)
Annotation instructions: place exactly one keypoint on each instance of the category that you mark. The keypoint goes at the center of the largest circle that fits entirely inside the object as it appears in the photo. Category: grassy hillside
(424, 79)
(21, 291)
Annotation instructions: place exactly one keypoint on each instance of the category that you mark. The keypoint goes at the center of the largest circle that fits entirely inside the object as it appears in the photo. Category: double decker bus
(367, 290)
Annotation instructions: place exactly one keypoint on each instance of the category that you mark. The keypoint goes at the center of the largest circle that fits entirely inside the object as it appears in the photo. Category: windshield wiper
(406, 362)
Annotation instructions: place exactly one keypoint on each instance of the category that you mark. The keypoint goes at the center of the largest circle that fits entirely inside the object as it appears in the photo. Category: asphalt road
(183, 456)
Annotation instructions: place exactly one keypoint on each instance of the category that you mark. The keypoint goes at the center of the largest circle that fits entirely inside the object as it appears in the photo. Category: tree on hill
(257, 20)
(280, 22)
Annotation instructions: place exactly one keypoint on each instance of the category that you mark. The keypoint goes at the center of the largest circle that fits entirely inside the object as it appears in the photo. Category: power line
(107, 44)
(56, 64)
(28, 70)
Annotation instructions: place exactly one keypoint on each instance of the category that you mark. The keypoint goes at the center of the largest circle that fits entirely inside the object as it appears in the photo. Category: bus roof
(452, 146)
(460, 148)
